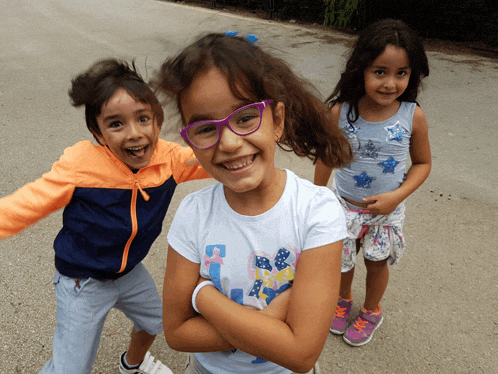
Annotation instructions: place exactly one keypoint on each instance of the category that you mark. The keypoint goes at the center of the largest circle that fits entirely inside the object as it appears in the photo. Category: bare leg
(347, 279)
(377, 279)
(139, 345)
(346, 282)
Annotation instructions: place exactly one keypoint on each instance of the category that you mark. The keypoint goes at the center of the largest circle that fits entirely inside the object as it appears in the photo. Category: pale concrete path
(440, 306)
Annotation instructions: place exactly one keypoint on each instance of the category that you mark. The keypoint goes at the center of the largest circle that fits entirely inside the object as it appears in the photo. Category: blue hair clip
(251, 38)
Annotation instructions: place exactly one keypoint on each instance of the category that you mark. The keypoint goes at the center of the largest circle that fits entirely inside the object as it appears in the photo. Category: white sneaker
(148, 366)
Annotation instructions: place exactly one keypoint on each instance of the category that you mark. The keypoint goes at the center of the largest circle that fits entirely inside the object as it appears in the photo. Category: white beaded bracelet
(196, 291)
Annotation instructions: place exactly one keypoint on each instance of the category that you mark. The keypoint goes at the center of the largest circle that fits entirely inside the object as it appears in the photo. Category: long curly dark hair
(371, 42)
(255, 75)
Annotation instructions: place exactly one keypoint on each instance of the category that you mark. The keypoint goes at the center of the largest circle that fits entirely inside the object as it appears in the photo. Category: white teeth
(137, 148)
(240, 165)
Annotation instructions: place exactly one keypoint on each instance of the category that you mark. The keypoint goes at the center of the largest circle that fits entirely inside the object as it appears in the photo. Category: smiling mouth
(239, 164)
(137, 151)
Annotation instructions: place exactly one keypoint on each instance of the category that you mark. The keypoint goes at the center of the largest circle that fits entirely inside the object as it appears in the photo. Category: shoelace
(340, 312)
(360, 324)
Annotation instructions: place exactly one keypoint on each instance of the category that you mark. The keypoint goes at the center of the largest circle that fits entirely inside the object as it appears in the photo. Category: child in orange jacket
(115, 197)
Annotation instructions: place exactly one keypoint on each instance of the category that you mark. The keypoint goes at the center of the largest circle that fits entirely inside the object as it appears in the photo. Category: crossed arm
(291, 331)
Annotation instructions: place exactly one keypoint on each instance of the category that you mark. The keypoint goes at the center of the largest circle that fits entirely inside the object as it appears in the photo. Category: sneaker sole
(366, 341)
(337, 332)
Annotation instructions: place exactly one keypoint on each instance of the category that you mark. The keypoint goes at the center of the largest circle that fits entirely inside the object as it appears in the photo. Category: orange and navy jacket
(112, 215)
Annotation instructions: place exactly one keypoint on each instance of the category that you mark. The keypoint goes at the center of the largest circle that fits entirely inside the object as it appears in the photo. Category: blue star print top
(381, 150)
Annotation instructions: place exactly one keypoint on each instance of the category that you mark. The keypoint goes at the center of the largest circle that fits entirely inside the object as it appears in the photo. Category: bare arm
(296, 343)
(184, 329)
(420, 154)
(322, 171)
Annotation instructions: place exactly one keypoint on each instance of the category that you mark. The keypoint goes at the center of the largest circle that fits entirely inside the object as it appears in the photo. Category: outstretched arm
(297, 342)
(37, 199)
(420, 154)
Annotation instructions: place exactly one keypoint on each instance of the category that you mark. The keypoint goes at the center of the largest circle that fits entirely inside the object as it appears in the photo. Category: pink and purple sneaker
(340, 321)
(363, 327)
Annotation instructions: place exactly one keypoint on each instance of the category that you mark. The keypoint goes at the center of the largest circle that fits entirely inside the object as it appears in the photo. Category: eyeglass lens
(242, 122)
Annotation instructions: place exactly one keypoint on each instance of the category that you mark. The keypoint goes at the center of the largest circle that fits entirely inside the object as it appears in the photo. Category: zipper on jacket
(134, 221)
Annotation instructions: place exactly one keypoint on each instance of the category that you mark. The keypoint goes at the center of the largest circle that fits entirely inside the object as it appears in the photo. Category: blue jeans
(82, 307)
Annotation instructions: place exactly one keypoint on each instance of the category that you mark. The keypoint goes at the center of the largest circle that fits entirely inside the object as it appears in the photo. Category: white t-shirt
(252, 259)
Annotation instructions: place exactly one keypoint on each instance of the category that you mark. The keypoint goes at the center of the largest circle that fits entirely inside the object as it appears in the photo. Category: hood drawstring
(144, 194)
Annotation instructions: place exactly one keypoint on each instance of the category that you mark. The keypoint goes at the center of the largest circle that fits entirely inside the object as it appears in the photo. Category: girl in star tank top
(374, 103)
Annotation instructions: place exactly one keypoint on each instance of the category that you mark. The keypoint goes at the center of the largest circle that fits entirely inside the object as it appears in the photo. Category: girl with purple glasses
(235, 246)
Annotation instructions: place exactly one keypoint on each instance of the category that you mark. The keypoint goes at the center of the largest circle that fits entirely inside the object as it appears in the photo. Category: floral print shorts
(381, 237)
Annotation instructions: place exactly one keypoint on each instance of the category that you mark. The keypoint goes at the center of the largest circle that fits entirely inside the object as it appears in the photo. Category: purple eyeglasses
(243, 121)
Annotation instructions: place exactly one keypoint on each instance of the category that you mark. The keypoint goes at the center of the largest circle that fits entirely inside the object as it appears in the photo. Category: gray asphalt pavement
(441, 304)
